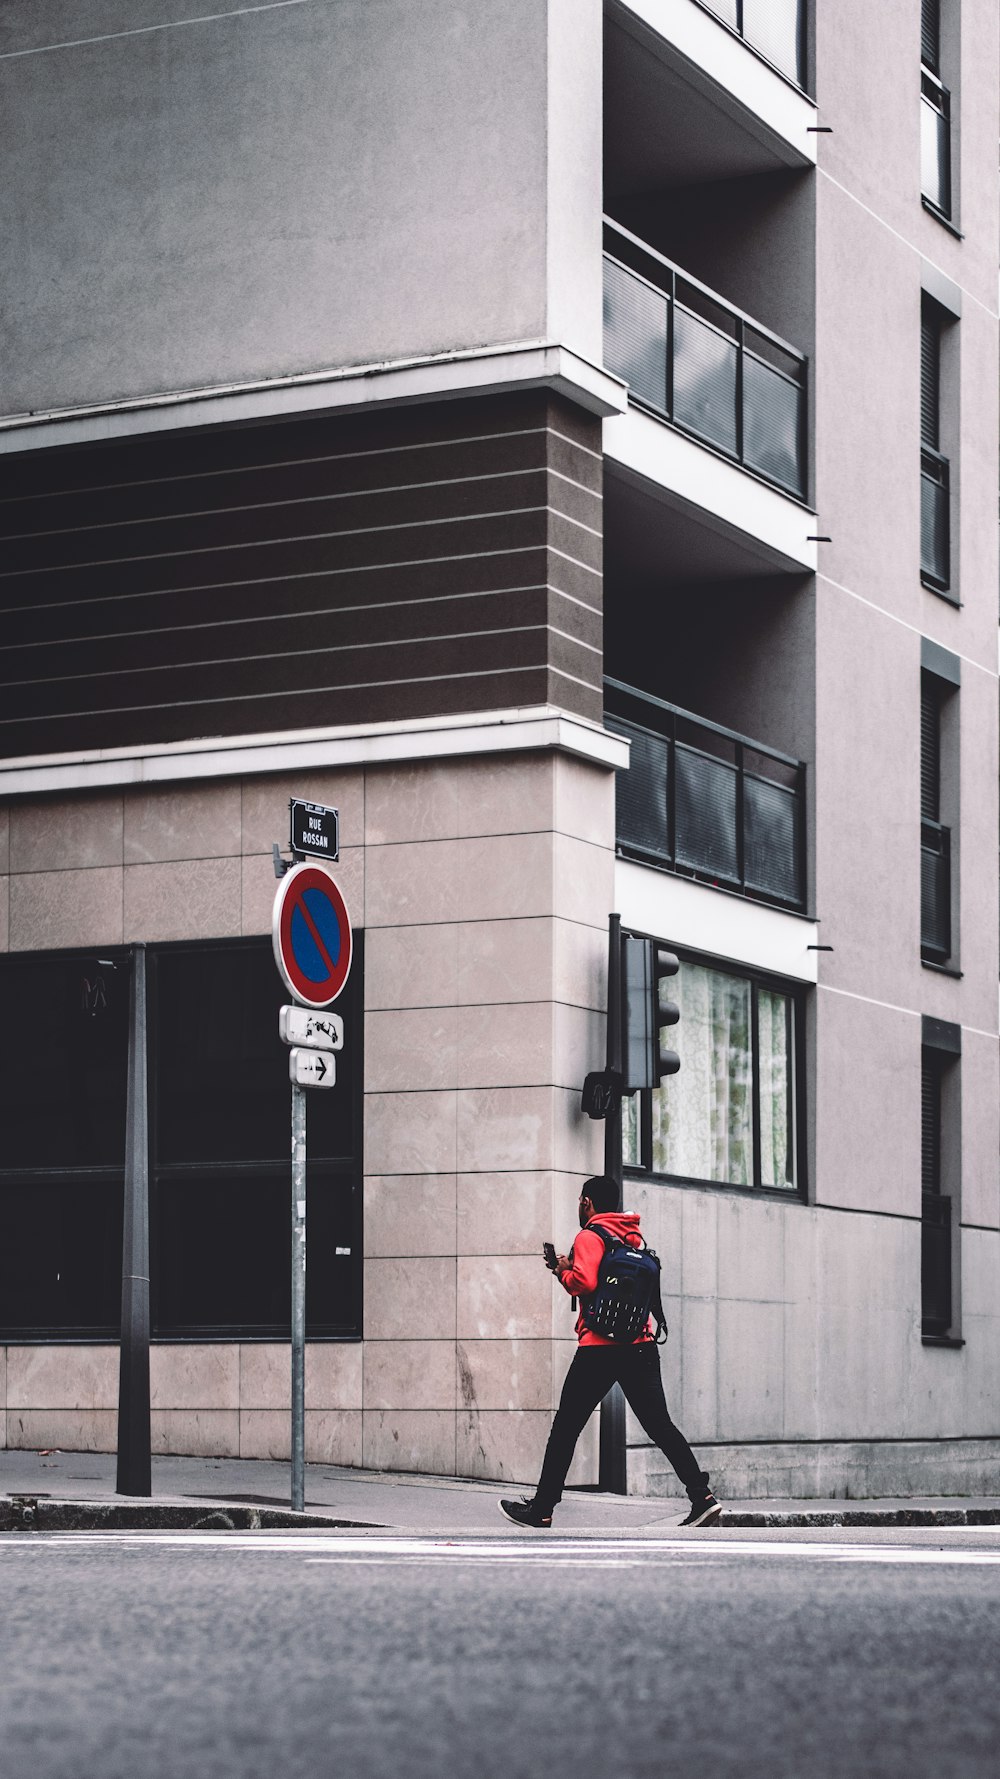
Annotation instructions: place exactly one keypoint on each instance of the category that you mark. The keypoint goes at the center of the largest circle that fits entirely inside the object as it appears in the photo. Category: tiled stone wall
(484, 887)
(223, 1399)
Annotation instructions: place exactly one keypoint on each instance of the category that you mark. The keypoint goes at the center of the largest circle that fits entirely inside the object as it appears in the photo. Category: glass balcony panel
(772, 425)
(705, 839)
(710, 340)
(934, 527)
(935, 172)
(635, 334)
(727, 10)
(641, 819)
(705, 372)
(771, 839)
(772, 26)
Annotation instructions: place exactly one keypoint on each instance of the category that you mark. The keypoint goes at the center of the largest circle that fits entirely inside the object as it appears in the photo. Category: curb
(889, 1516)
(32, 1513)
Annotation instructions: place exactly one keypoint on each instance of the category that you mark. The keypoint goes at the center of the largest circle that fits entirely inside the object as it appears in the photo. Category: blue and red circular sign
(311, 930)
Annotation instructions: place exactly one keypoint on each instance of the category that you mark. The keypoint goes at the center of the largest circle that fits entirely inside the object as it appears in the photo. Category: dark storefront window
(219, 1148)
(63, 1059)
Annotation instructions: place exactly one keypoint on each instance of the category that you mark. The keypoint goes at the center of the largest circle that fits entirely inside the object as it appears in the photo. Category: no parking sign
(311, 931)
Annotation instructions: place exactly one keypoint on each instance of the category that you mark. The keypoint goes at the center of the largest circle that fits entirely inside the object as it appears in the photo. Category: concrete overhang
(487, 370)
(698, 918)
(737, 525)
(688, 101)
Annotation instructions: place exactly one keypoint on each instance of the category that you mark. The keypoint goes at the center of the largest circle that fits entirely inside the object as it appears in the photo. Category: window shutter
(930, 34)
(930, 380)
(930, 1125)
(930, 753)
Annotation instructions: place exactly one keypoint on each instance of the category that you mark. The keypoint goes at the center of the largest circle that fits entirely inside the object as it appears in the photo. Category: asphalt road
(156, 1656)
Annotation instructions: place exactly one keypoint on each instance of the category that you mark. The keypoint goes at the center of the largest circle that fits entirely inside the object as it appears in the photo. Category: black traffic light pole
(134, 1465)
(611, 1476)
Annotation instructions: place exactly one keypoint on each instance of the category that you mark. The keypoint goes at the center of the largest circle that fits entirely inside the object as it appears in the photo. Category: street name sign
(317, 1031)
(315, 830)
(311, 935)
(312, 1068)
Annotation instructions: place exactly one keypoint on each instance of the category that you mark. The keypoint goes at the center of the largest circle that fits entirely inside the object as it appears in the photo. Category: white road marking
(566, 1552)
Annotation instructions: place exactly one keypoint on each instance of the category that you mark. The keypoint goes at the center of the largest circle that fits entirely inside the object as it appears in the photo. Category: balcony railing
(774, 27)
(935, 553)
(935, 891)
(935, 1263)
(706, 802)
(701, 364)
(935, 142)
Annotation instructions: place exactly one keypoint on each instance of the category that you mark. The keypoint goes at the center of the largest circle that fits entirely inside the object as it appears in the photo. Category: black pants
(590, 1377)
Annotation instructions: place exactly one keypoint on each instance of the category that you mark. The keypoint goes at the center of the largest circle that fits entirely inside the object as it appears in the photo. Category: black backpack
(628, 1291)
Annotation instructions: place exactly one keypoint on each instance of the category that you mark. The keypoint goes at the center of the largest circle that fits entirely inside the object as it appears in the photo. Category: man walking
(598, 1363)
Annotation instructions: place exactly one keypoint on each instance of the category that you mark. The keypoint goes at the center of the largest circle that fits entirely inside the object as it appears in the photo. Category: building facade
(564, 438)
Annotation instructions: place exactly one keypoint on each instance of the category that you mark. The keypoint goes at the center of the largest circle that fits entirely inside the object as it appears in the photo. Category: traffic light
(646, 1013)
(667, 1012)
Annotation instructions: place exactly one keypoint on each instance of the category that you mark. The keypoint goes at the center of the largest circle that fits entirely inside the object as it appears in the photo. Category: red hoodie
(586, 1254)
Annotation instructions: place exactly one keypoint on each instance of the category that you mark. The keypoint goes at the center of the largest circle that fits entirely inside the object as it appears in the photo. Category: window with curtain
(729, 1117)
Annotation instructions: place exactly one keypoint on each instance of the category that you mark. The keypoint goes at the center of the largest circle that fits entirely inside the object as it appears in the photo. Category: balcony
(703, 366)
(935, 563)
(707, 803)
(702, 90)
(935, 892)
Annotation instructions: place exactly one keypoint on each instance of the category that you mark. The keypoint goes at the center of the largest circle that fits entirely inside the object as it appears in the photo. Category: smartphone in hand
(548, 1250)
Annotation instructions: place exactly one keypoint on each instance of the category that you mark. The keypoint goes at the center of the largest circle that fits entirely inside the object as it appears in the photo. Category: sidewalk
(247, 1493)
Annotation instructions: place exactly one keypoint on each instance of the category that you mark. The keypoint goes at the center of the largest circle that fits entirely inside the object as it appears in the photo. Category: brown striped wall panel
(408, 563)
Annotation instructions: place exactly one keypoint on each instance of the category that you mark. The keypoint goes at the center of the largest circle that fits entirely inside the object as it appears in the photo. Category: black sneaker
(525, 1512)
(706, 1512)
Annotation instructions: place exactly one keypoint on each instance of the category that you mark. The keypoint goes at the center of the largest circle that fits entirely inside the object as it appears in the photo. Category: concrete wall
(876, 248)
(795, 1343)
(797, 1327)
(191, 201)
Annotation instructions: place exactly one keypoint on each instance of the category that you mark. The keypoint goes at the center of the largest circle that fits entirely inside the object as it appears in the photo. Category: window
(940, 1169)
(220, 1256)
(63, 1059)
(935, 477)
(730, 1116)
(940, 679)
(935, 837)
(935, 114)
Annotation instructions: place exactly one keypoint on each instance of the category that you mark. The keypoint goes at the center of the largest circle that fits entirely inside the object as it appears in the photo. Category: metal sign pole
(134, 1463)
(311, 935)
(298, 1297)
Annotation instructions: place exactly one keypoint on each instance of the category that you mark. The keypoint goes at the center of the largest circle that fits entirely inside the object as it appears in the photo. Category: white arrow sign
(312, 1068)
(319, 1031)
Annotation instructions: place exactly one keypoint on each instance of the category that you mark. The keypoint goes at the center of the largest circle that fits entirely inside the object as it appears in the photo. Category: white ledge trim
(483, 732)
(526, 364)
(729, 928)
